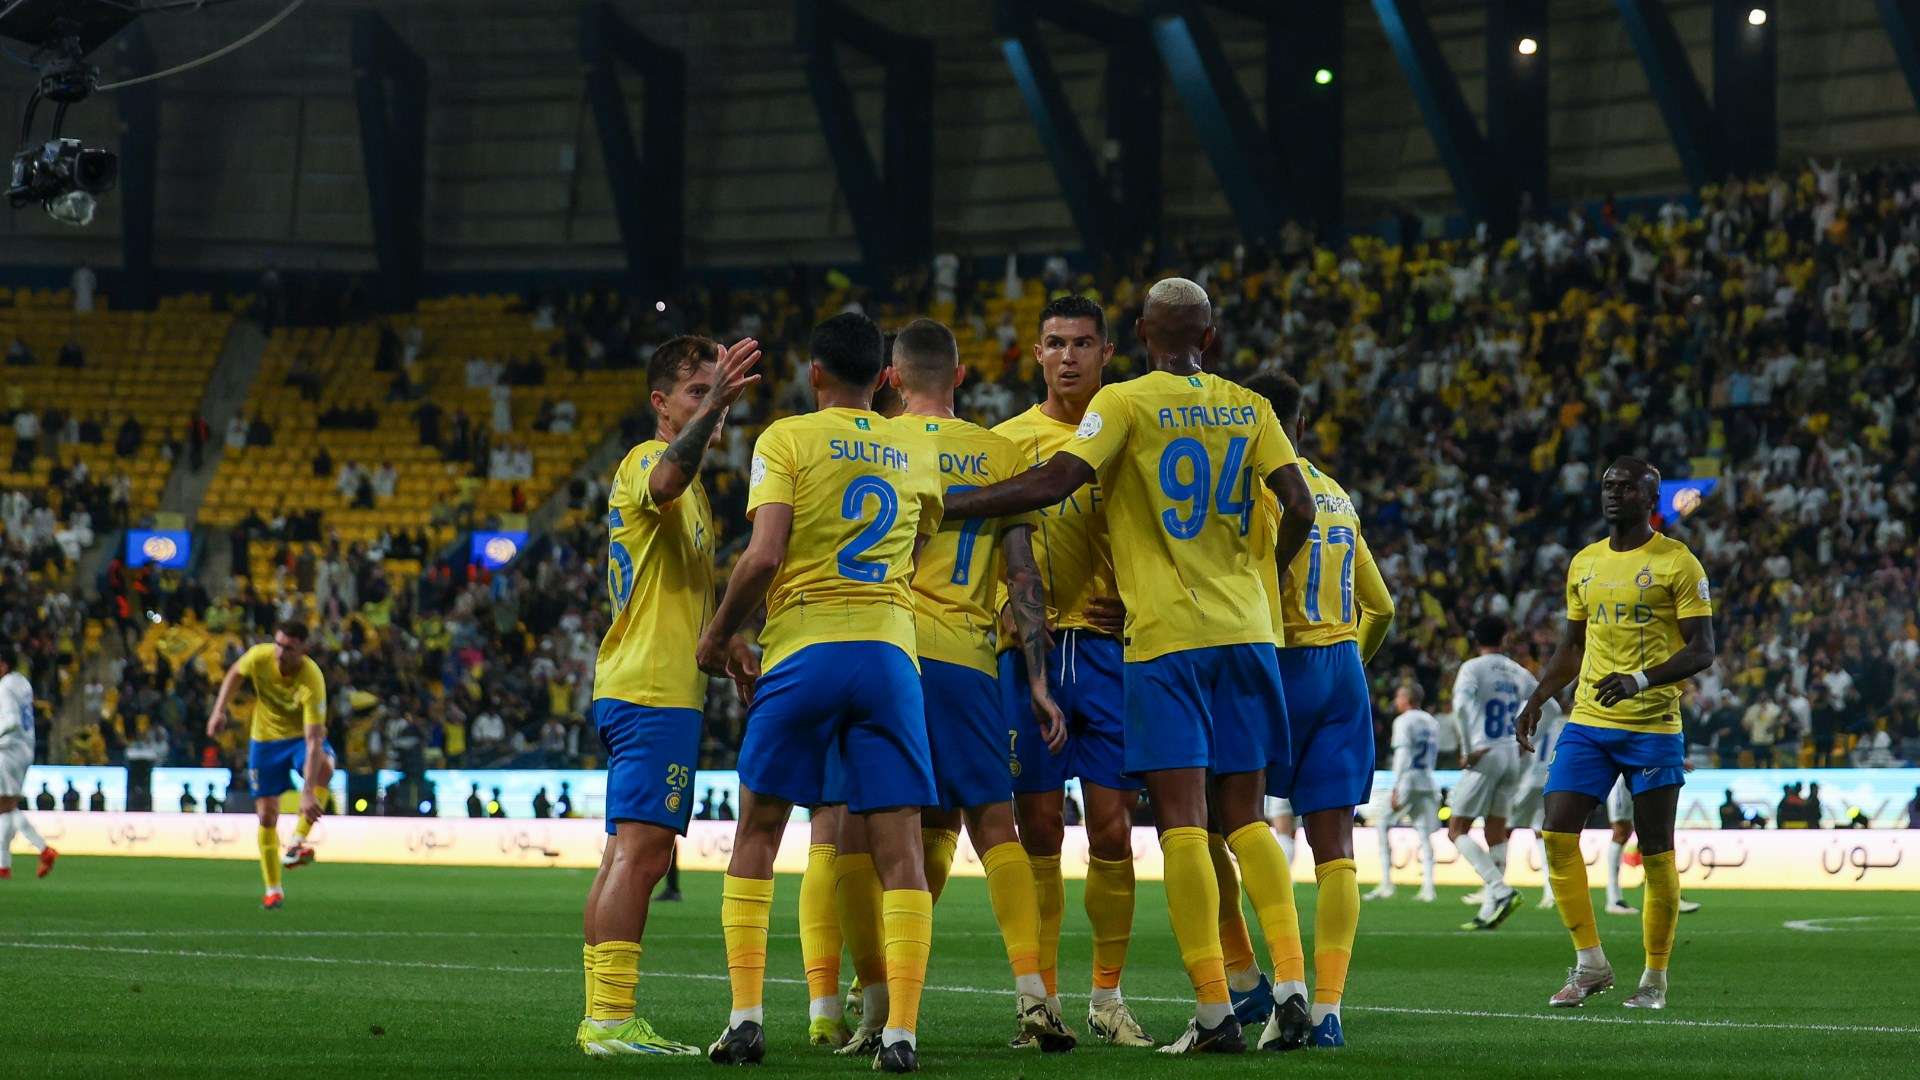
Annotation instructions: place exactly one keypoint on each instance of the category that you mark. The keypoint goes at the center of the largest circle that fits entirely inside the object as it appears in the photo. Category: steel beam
(1902, 20)
(139, 171)
(1462, 150)
(390, 90)
(891, 204)
(1116, 208)
(648, 183)
(1669, 73)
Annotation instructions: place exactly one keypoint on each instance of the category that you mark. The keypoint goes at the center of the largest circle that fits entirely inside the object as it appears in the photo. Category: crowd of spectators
(1465, 391)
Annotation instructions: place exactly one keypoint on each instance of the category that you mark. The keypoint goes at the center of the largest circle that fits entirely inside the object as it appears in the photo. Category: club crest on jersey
(1090, 426)
(1013, 756)
(673, 802)
(1644, 578)
(758, 472)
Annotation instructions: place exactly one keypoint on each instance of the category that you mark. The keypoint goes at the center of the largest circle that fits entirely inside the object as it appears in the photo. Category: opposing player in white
(1487, 694)
(1415, 797)
(1529, 801)
(1620, 818)
(16, 754)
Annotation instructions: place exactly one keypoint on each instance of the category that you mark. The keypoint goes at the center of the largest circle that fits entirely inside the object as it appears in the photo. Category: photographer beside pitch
(1639, 622)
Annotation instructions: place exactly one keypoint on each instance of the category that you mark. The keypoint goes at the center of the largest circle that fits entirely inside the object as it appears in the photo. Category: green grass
(150, 968)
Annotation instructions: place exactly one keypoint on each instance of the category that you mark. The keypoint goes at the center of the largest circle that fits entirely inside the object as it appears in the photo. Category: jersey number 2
(853, 506)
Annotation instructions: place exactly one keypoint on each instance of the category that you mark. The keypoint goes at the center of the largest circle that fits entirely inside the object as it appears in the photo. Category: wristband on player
(1640, 679)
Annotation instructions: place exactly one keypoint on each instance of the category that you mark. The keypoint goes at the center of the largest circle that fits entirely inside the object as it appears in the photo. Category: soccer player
(1487, 692)
(648, 694)
(1620, 820)
(1330, 617)
(1178, 452)
(1083, 670)
(288, 735)
(953, 591)
(837, 499)
(1415, 796)
(1639, 622)
(1529, 799)
(16, 757)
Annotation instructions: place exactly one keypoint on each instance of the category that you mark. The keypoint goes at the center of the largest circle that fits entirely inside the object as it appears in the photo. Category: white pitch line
(1814, 926)
(1556, 1018)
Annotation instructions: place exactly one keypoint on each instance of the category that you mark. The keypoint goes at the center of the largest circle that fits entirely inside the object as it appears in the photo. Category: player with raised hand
(1414, 796)
(288, 735)
(648, 694)
(1639, 623)
(1178, 452)
(16, 757)
(1083, 668)
(837, 499)
(1487, 693)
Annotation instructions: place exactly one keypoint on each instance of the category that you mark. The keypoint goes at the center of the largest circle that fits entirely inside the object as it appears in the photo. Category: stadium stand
(1763, 336)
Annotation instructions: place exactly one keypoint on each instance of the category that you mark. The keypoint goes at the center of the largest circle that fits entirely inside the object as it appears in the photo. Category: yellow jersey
(1179, 458)
(955, 584)
(861, 487)
(283, 705)
(1333, 579)
(659, 589)
(1632, 603)
(1070, 539)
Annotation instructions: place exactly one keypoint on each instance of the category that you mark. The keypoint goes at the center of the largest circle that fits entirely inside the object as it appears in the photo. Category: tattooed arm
(680, 463)
(1028, 603)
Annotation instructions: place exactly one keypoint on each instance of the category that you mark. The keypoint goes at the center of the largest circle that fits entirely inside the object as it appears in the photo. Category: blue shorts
(972, 756)
(1588, 759)
(1210, 708)
(651, 754)
(1084, 676)
(857, 701)
(1328, 722)
(277, 766)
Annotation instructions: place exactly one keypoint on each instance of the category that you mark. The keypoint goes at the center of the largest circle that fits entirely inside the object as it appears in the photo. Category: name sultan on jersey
(871, 453)
(1190, 416)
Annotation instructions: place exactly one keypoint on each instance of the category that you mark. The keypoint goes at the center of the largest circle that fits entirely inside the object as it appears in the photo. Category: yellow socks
(586, 961)
(820, 926)
(1193, 906)
(1336, 918)
(745, 904)
(1243, 971)
(270, 857)
(616, 971)
(302, 827)
(1660, 909)
(1567, 872)
(1269, 884)
(1051, 891)
(857, 888)
(1109, 900)
(909, 929)
(938, 845)
(1016, 908)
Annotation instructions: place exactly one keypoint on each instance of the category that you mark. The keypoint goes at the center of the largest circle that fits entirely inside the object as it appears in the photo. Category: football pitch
(154, 967)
